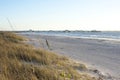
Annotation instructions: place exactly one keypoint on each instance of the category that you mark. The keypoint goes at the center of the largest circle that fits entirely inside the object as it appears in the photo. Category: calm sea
(80, 34)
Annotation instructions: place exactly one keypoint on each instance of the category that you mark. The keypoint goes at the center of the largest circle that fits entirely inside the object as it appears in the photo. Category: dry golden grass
(19, 61)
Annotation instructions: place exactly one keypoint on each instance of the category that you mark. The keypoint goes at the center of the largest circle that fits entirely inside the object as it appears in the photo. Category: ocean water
(80, 34)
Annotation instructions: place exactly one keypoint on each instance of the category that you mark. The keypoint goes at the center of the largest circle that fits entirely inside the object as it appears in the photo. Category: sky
(60, 15)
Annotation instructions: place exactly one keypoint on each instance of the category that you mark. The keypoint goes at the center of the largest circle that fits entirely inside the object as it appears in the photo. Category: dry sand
(103, 55)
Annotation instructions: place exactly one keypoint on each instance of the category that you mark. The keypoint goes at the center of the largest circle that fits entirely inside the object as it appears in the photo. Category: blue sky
(60, 14)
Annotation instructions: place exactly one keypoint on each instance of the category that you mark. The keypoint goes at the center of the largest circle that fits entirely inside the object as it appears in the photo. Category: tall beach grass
(20, 61)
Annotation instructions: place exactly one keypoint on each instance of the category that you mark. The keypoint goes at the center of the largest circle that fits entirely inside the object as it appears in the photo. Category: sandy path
(102, 54)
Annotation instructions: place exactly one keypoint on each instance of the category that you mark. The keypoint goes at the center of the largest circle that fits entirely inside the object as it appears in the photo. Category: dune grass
(19, 61)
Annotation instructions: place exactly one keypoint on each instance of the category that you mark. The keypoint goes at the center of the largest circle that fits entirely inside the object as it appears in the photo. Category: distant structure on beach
(95, 31)
(66, 31)
(30, 30)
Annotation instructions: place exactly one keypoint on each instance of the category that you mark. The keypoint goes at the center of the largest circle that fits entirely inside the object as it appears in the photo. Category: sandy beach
(103, 55)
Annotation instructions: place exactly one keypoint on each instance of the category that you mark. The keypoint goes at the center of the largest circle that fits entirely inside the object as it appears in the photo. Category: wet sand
(100, 54)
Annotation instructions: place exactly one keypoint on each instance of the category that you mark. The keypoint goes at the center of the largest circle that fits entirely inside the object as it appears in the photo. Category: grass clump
(8, 36)
(19, 61)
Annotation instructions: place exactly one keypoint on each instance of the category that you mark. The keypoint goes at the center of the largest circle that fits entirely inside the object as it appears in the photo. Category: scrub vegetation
(20, 61)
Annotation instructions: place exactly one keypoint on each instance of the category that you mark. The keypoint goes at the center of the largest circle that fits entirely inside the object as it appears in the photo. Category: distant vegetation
(19, 61)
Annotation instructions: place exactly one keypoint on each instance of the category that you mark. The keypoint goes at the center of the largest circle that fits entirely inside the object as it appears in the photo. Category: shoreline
(77, 37)
(61, 45)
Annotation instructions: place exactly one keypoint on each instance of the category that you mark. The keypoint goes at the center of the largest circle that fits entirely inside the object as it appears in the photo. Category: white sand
(101, 54)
